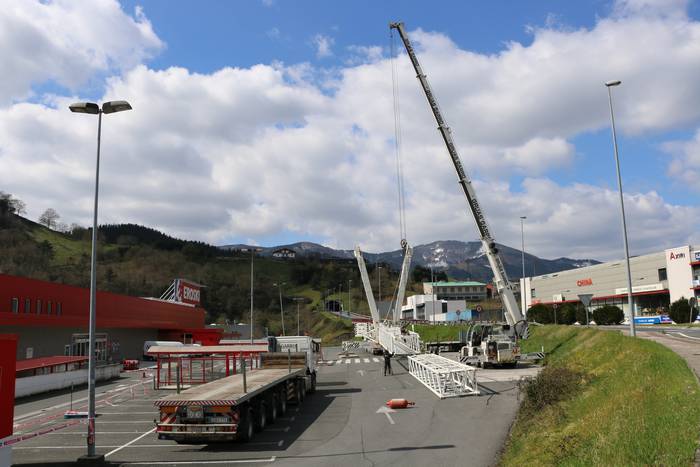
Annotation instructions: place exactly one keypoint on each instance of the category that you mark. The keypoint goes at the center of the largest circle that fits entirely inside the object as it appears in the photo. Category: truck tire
(261, 417)
(272, 408)
(282, 400)
(313, 383)
(245, 427)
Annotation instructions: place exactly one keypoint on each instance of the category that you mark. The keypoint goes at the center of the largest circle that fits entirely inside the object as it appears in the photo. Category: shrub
(540, 313)
(608, 314)
(567, 314)
(581, 314)
(680, 311)
(551, 385)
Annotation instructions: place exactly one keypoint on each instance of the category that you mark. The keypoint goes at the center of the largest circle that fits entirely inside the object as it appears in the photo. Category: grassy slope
(331, 329)
(429, 333)
(638, 404)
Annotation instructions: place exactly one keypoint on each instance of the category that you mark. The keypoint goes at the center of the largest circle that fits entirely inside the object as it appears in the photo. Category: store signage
(187, 292)
(640, 288)
(673, 255)
(584, 282)
(697, 256)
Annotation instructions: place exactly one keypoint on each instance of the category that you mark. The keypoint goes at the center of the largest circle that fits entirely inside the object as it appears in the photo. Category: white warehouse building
(658, 279)
(429, 308)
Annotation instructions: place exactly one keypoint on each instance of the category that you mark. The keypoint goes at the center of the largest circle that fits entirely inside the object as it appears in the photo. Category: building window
(532, 293)
(27, 305)
(48, 307)
(662, 274)
(38, 307)
(59, 311)
(15, 305)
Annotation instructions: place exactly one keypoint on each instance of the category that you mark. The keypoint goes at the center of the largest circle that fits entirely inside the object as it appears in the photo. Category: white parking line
(130, 442)
(366, 360)
(225, 462)
(375, 359)
(357, 360)
(347, 361)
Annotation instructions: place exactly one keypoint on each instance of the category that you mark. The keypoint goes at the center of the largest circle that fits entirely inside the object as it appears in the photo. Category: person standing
(387, 362)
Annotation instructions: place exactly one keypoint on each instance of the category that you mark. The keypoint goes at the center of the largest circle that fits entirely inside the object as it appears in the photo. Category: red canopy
(34, 363)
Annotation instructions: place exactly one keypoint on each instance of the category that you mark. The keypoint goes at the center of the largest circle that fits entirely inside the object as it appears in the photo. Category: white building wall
(680, 274)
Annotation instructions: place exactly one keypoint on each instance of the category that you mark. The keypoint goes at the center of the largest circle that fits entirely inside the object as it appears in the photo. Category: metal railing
(444, 377)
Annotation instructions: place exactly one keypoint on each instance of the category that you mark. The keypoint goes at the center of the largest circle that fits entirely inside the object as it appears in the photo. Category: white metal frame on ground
(445, 377)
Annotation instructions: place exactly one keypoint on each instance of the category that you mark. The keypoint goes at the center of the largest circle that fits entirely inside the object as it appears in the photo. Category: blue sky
(270, 121)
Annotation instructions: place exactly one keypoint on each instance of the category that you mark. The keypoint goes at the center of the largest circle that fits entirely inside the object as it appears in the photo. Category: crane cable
(398, 153)
(397, 138)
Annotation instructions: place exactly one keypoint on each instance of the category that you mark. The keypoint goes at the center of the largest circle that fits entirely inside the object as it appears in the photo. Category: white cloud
(252, 152)
(685, 162)
(68, 42)
(323, 44)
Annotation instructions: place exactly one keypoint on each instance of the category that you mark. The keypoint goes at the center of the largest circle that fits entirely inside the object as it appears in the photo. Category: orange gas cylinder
(399, 403)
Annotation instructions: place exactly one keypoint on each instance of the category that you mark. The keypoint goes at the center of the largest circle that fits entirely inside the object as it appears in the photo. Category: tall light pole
(298, 299)
(94, 109)
(279, 285)
(252, 256)
(522, 242)
(609, 85)
(349, 298)
(432, 291)
(340, 297)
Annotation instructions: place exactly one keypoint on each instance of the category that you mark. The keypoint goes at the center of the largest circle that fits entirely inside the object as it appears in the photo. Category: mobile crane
(479, 349)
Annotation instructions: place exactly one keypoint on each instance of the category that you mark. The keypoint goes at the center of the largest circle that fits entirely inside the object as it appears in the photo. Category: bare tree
(49, 218)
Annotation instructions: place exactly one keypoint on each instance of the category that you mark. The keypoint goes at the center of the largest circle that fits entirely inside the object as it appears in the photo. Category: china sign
(584, 282)
(187, 292)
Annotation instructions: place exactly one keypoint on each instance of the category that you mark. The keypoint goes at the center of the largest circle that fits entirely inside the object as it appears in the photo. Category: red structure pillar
(8, 352)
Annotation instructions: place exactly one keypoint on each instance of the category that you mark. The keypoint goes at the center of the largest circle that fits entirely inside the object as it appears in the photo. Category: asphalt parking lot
(342, 424)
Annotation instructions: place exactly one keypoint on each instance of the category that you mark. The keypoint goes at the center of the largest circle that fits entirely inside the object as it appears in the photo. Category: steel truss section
(397, 342)
(445, 377)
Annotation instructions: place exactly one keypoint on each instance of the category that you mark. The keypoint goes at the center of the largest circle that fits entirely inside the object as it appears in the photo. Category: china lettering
(584, 282)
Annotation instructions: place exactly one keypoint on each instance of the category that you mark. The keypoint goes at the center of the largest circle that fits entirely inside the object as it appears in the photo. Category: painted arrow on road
(386, 411)
(361, 372)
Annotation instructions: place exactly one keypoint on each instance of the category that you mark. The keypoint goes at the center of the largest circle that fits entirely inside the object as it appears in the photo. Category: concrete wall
(52, 381)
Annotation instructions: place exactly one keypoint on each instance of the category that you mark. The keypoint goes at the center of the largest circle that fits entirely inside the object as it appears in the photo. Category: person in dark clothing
(387, 362)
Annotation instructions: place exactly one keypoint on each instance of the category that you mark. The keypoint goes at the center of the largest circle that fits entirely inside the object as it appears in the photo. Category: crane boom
(403, 280)
(504, 287)
(367, 286)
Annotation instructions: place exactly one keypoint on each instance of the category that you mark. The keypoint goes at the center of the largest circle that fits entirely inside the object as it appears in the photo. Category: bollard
(245, 383)
(177, 377)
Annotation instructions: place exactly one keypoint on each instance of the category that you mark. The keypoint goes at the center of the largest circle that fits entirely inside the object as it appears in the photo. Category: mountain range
(460, 260)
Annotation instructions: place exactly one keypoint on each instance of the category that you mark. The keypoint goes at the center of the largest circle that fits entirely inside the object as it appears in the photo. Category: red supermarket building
(52, 319)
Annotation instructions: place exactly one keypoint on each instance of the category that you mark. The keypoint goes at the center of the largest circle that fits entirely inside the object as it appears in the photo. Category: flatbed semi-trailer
(235, 407)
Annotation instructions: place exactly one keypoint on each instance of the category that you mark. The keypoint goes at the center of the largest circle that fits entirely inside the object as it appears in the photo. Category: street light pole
(279, 286)
(252, 256)
(609, 85)
(349, 297)
(92, 108)
(298, 299)
(432, 291)
(522, 240)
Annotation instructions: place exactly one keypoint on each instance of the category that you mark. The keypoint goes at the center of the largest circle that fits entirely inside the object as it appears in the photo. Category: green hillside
(140, 261)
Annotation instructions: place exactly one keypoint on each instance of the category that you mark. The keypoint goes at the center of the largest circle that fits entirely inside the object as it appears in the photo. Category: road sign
(479, 309)
(585, 298)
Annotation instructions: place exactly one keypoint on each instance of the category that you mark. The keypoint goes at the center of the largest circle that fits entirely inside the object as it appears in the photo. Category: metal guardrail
(444, 377)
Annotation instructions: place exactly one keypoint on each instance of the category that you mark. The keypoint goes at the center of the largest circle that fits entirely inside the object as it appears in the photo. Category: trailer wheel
(272, 407)
(245, 427)
(261, 419)
(282, 399)
(313, 383)
(300, 391)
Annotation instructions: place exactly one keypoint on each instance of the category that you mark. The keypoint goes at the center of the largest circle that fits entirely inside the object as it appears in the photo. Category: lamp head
(613, 83)
(115, 106)
(84, 108)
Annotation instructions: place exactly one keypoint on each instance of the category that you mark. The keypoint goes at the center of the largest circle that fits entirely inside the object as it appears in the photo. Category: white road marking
(285, 429)
(361, 372)
(82, 433)
(225, 462)
(130, 442)
(357, 360)
(366, 360)
(689, 337)
(386, 411)
(347, 361)
(375, 359)
(152, 412)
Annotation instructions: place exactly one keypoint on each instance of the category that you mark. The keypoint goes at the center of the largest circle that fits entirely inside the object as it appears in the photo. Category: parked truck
(237, 406)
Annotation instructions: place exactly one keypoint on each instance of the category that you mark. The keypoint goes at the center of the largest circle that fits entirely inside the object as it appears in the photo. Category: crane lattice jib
(503, 286)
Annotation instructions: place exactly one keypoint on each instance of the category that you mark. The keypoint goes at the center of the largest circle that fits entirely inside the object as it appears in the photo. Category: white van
(148, 344)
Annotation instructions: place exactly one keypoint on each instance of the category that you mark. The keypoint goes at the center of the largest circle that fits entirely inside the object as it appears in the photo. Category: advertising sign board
(187, 292)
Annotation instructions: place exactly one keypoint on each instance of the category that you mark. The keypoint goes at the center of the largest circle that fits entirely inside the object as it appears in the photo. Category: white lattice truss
(445, 377)
(397, 342)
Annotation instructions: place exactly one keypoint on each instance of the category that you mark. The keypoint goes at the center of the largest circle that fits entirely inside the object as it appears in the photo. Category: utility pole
(349, 297)
(279, 285)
